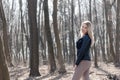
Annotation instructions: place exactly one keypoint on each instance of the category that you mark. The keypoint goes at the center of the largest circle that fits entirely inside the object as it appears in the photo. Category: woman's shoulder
(86, 36)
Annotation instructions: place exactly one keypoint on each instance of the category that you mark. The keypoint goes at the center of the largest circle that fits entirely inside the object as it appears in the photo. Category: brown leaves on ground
(104, 72)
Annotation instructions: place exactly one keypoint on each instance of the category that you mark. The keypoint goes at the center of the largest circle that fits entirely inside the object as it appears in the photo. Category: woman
(83, 45)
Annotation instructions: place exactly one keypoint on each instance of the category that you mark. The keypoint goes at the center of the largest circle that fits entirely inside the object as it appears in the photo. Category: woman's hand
(74, 67)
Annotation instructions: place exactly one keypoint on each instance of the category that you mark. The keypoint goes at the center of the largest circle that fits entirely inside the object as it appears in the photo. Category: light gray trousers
(82, 70)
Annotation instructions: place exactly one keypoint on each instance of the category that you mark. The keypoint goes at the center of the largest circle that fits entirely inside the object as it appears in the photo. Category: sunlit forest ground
(104, 72)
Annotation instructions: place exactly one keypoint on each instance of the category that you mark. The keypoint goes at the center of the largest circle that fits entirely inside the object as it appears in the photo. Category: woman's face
(84, 28)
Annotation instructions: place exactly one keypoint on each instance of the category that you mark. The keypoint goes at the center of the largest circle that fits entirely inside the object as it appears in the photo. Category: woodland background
(38, 38)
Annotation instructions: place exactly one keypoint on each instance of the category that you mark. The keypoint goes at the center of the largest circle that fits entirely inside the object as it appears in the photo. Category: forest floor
(101, 73)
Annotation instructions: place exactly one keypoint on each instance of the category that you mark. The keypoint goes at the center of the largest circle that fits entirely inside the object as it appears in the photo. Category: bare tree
(5, 35)
(90, 16)
(96, 27)
(72, 31)
(79, 12)
(57, 39)
(49, 38)
(22, 29)
(117, 58)
(34, 52)
(4, 75)
(109, 25)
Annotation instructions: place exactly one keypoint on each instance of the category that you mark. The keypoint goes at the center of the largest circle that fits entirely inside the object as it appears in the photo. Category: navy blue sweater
(83, 49)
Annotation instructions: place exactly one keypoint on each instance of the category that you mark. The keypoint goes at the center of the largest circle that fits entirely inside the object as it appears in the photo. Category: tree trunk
(72, 36)
(57, 39)
(109, 24)
(71, 53)
(90, 16)
(117, 59)
(79, 13)
(44, 55)
(34, 52)
(22, 30)
(103, 31)
(5, 36)
(4, 75)
(95, 46)
(49, 38)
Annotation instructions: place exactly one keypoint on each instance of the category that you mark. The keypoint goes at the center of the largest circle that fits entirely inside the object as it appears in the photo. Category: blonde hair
(90, 31)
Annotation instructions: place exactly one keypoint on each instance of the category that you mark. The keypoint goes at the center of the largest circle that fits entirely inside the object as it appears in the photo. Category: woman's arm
(82, 50)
